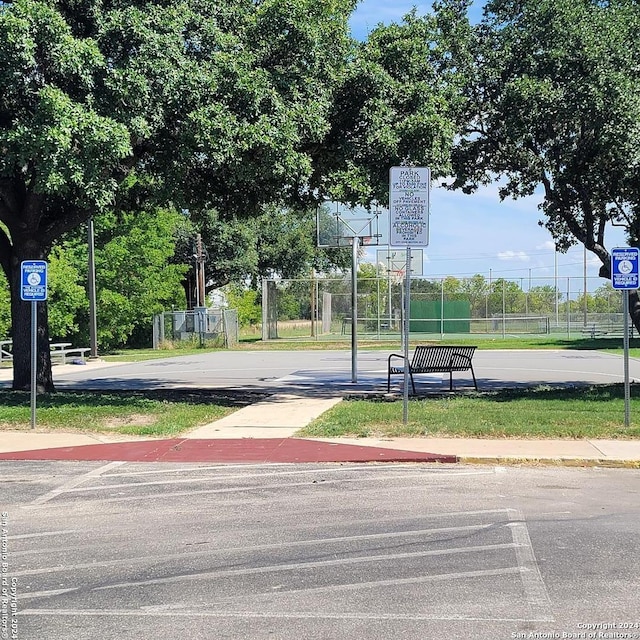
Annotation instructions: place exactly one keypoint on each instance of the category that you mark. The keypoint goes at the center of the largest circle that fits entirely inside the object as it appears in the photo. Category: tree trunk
(21, 325)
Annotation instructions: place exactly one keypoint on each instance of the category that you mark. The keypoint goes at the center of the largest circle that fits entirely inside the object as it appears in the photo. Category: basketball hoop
(396, 275)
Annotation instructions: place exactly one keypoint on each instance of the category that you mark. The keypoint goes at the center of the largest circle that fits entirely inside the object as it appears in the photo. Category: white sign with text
(409, 206)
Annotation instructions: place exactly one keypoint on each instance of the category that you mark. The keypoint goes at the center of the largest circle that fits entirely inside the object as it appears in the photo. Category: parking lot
(130, 550)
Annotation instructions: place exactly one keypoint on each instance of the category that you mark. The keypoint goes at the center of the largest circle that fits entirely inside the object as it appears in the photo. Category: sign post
(625, 275)
(409, 222)
(33, 288)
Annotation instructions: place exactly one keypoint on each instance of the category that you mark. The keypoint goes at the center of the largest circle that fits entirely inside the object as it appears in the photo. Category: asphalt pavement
(133, 551)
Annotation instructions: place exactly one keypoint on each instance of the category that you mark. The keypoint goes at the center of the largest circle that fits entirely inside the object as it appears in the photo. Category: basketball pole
(407, 311)
(354, 309)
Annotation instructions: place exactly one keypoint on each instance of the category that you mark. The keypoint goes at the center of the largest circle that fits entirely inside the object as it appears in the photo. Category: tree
(607, 299)
(123, 106)
(393, 106)
(135, 278)
(5, 307)
(553, 104)
(477, 289)
(280, 242)
(542, 299)
(67, 299)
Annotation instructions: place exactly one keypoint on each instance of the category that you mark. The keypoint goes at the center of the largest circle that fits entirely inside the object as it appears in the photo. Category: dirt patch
(135, 419)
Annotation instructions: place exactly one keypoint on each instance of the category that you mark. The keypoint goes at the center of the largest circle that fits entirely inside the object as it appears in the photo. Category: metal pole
(407, 308)
(568, 308)
(93, 320)
(389, 288)
(442, 309)
(265, 312)
(555, 272)
(313, 303)
(378, 298)
(504, 309)
(34, 360)
(627, 389)
(354, 310)
(584, 276)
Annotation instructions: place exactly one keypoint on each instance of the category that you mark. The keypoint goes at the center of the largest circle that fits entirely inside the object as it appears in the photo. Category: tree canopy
(125, 105)
(552, 106)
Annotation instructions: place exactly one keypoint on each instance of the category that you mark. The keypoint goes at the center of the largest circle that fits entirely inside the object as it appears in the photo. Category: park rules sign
(409, 206)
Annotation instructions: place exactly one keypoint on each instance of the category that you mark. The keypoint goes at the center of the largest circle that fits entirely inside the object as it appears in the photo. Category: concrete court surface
(329, 372)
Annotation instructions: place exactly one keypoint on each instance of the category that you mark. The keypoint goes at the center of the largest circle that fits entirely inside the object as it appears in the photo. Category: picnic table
(6, 347)
(63, 349)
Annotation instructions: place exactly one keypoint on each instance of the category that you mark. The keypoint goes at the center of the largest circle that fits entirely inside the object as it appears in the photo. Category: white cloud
(520, 256)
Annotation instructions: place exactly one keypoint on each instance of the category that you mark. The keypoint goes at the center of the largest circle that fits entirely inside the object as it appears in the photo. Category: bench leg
(413, 384)
(475, 384)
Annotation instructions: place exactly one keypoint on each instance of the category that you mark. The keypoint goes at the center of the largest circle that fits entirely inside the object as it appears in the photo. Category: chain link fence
(321, 308)
(201, 327)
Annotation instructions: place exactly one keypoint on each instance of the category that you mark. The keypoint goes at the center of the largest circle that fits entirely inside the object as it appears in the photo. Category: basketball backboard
(337, 224)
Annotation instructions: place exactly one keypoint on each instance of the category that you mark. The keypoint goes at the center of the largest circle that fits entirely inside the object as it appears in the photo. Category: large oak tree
(112, 104)
(552, 106)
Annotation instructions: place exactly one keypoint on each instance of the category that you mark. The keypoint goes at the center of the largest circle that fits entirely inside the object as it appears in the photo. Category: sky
(478, 233)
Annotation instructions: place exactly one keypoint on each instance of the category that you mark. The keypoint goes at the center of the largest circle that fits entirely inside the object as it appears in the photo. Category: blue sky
(478, 233)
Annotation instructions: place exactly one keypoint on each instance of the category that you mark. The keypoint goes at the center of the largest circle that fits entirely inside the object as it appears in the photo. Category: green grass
(331, 343)
(586, 412)
(482, 342)
(127, 413)
(596, 412)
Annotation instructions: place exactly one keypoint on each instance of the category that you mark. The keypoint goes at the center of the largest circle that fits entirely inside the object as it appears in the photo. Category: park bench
(434, 359)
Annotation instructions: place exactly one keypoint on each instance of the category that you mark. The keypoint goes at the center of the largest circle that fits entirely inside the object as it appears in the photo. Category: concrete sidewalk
(263, 432)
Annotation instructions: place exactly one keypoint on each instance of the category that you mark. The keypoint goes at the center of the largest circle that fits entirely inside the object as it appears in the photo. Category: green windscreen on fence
(426, 316)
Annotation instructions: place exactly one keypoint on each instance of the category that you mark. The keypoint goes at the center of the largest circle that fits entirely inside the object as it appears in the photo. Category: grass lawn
(586, 412)
(540, 413)
(142, 413)
(330, 343)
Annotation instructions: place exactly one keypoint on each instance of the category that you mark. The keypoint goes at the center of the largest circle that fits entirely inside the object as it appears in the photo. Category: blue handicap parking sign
(33, 280)
(625, 262)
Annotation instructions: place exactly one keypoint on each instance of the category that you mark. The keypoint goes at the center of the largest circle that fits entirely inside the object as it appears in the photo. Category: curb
(551, 462)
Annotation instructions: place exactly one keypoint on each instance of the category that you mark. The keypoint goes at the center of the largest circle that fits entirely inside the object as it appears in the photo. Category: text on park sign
(409, 206)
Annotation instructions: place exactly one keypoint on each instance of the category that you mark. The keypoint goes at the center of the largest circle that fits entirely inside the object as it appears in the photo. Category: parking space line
(278, 568)
(74, 482)
(534, 587)
(167, 611)
(261, 547)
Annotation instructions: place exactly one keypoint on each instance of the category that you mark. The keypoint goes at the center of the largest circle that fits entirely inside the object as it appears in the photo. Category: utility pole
(93, 322)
